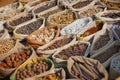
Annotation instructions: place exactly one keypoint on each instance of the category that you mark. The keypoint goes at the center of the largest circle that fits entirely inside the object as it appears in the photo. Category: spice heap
(21, 20)
(65, 18)
(75, 50)
(82, 4)
(32, 69)
(16, 59)
(45, 7)
(6, 45)
(46, 36)
(85, 71)
(29, 28)
(112, 15)
(60, 43)
(91, 12)
(55, 76)
(102, 41)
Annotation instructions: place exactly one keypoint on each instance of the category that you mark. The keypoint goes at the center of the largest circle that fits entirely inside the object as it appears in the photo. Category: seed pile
(45, 7)
(102, 41)
(6, 45)
(51, 12)
(32, 69)
(75, 50)
(65, 18)
(82, 4)
(21, 20)
(29, 28)
(112, 15)
(60, 43)
(16, 59)
(38, 2)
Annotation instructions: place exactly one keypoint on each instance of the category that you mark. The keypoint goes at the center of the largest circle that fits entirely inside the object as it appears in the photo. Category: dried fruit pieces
(16, 59)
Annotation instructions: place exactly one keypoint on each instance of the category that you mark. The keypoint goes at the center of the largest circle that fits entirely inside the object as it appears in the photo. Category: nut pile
(55, 76)
(21, 20)
(102, 41)
(60, 43)
(2, 32)
(46, 36)
(81, 4)
(6, 45)
(29, 28)
(75, 50)
(112, 15)
(86, 71)
(16, 59)
(91, 12)
(45, 7)
(65, 18)
(32, 69)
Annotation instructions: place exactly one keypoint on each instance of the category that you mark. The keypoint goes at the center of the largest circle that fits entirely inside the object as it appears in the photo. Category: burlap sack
(13, 23)
(108, 19)
(60, 70)
(33, 60)
(114, 68)
(4, 34)
(42, 50)
(57, 60)
(115, 30)
(6, 72)
(107, 53)
(36, 43)
(9, 11)
(16, 45)
(76, 26)
(88, 32)
(95, 64)
(23, 36)
(97, 37)
(58, 14)
(92, 3)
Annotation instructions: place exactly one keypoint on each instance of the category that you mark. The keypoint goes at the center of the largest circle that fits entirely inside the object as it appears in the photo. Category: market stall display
(59, 40)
